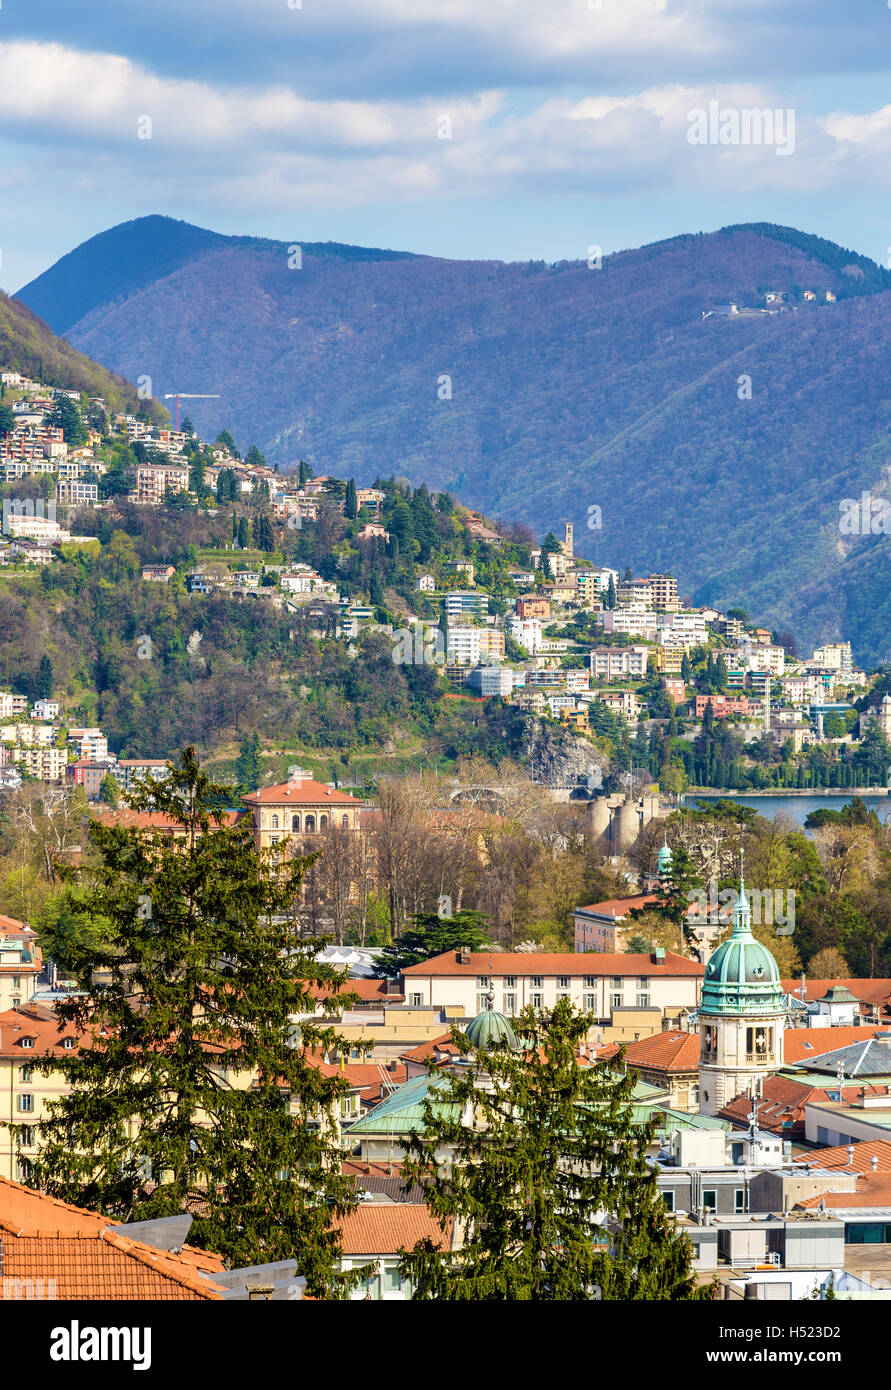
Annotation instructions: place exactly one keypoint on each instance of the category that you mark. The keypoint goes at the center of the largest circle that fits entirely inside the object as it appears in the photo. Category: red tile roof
(80, 1256)
(307, 792)
(873, 1190)
(368, 991)
(38, 1022)
(800, 1044)
(869, 991)
(781, 1109)
(864, 1152)
(386, 1228)
(425, 1052)
(619, 907)
(557, 963)
(674, 1051)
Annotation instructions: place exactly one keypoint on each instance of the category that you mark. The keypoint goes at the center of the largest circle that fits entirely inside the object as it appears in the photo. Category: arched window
(309, 825)
(345, 822)
(323, 822)
(295, 823)
(275, 822)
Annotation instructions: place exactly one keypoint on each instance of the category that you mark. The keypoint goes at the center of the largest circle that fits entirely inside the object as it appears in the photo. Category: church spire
(742, 913)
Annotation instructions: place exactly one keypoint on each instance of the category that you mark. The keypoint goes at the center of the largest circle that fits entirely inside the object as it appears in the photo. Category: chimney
(874, 1164)
(850, 1153)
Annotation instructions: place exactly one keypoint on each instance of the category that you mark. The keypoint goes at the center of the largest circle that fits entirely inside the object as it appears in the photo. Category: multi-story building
(621, 702)
(596, 982)
(527, 632)
(637, 594)
(75, 493)
(152, 482)
(722, 705)
(299, 807)
(35, 528)
(89, 775)
(533, 606)
(461, 603)
(471, 645)
(618, 663)
(491, 680)
(130, 772)
(11, 705)
(665, 591)
(30, 735)
(683, 628)
(46, 764)
(21, 962)
(632, 624)
(45, 709)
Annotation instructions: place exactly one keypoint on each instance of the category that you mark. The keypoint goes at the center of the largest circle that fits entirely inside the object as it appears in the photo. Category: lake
(798, 807)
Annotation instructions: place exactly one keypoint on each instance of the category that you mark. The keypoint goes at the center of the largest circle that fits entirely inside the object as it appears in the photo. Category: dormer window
(27, 1041)
(68, 1043)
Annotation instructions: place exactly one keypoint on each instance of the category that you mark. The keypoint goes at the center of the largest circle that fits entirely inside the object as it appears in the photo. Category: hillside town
(759, 1091)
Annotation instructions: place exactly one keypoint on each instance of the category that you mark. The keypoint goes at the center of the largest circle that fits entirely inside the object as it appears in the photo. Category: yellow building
(299, 807)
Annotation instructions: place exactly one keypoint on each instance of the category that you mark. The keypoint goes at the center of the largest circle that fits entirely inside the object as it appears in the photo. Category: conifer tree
(541, 1147)
(192, 1089)
(351, 503)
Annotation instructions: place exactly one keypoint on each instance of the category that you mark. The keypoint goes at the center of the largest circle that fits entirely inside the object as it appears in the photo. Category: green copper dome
(664, 860)
(741, 977)
(490, 1029)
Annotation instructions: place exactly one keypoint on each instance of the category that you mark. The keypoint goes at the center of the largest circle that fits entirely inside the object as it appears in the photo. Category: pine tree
(244, 535)
(611, 593)
(109, 791)
(44, 683)
(304, 474)
(351, 502)
(541, 1149)
(247, 764)
(431, 935)
(190, 1089)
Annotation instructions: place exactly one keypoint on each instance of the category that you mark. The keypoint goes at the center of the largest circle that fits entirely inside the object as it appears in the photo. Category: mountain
(717, 447)
(28, 345)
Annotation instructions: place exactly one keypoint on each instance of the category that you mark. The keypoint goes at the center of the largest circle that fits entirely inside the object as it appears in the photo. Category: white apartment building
(595, 981)
(468, 646)
(527, 632)
(834, 656)
(11, 705)
(756, 656)
(633, 624)
(35, 528)
(614, 663)
(621, 702)
(683, 629)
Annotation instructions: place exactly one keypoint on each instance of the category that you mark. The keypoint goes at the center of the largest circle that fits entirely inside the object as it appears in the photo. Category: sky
(505, 129)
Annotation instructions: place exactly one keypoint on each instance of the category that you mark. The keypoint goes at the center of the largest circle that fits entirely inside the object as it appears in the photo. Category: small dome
(491, 1029)
(742, 976)
(664, 860)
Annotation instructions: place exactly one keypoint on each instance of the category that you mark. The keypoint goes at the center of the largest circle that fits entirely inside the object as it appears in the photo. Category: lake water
(799, 807)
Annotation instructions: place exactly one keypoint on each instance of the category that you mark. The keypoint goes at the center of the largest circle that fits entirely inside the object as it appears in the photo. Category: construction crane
(186, 396)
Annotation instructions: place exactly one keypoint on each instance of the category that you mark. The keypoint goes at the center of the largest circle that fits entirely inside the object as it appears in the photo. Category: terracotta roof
(781, 1105)
(388, 1228)
(370, 1078)
(157, 820)
(672, 1051)
(367, 990)
(873, 1190)
(801, 1044)
(11, 926)
(425, 1051)
(307, 792)
(38, 1022)
(368, 1168)
(869, 991)
(556, 963)
(864, 1152)
(86, 1258)
(619, 907)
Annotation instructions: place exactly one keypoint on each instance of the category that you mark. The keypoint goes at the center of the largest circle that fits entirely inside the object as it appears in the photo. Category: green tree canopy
(543, 1151)
(191, 1087)
(430, 936)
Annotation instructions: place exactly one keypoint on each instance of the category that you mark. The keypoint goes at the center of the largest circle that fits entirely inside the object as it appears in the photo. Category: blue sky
(510, 129)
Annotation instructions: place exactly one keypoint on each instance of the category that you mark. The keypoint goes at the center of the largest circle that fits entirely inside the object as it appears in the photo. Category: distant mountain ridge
(717, 447)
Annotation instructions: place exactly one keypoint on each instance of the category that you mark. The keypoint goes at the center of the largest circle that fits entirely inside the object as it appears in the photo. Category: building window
(710, 1198)
(563, 982)
(739, 1200)
(295, 823)
(510, 1004)
(27, 1042)
(68, 1043)
(26, 1137)
(26, 1073)
(536, 1001)
(643, 982)
(392, 1279)
(590, 982)
(275, 822)
(643, 1001)
(589, 1003)
(345, 822)
(309, 825)
(618, 982)
(323, 822)
(23, 1169)
(26, 1103)
(510, 982)
(482, 982)
(537, 982)
(668, 1199)
(617, 1001)
(416, 999)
